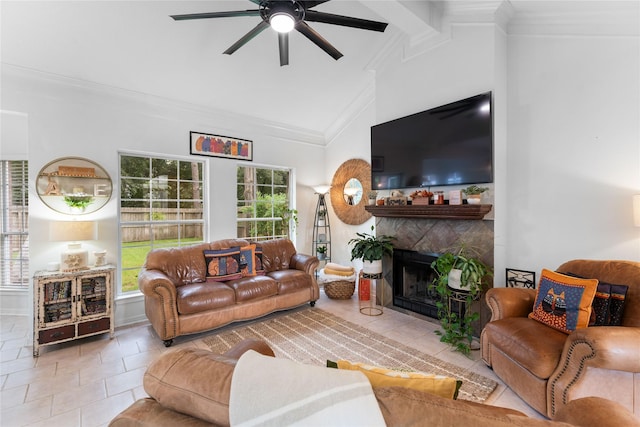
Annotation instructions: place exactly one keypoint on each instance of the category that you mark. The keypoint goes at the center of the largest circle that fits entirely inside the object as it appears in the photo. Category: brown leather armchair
(548, 368)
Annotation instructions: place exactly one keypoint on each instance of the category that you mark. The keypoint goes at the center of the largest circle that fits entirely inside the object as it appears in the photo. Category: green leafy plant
(78, 201)
(457, 329)
(322, 214)
(321, 249)
(372, 194)
(369, 247)
(474, 189)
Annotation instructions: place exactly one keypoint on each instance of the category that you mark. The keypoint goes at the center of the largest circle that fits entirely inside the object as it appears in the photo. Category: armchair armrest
(596, 411)
(590, 352)
(306, 263)
(160, 302)
(510, 302)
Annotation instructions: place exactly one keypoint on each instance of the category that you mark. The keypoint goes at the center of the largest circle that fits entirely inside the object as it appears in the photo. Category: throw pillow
(608, 304)
(381, 377)
(223, 264)
(247, 260)
(563, 302)
(259, 266)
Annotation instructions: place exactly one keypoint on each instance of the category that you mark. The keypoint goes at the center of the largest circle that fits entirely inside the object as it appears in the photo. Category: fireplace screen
(412, 277)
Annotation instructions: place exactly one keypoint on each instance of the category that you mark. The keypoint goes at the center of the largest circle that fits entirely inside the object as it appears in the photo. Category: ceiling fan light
(282, 22)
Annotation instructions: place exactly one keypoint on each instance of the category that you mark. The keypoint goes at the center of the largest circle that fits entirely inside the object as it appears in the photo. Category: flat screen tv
(447, 145)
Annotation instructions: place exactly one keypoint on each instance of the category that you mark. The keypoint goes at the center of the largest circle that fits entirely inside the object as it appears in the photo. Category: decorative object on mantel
(421, 197)
(371, 249)
(458, 282)
(372, 195)
(474, 194)
(351, 169)
(470, 212)
(204, 144)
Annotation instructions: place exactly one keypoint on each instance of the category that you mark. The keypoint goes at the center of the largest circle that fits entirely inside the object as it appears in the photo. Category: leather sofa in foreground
(181, 297)
(192, 387)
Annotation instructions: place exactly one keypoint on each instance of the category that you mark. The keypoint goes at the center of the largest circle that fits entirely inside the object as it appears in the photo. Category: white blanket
(268, 391)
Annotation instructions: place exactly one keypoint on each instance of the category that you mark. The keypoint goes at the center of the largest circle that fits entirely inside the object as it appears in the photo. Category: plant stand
(367, 294)
(321, 231)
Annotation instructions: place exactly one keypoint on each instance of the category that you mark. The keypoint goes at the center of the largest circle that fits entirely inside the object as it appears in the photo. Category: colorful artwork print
(221, 146)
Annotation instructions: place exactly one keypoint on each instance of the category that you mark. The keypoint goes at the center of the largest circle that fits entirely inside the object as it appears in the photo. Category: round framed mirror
(73, 185)
(350, 182)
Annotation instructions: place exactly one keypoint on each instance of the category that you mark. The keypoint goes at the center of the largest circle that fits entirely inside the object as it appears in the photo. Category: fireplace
(412, 276)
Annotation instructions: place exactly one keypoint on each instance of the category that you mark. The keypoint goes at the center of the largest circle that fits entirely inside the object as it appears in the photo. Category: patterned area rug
(312, 336)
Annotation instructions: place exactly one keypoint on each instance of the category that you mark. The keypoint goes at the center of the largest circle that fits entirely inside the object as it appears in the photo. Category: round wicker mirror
(351, 169)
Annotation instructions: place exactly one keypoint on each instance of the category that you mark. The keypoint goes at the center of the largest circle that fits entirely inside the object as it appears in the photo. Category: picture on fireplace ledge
(520, 279)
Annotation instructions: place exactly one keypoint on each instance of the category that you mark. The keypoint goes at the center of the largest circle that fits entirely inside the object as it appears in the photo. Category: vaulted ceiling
(136, 46)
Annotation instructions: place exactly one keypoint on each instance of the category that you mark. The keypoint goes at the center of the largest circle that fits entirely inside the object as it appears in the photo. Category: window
(161, 205)
(14, 237)
(264, 210)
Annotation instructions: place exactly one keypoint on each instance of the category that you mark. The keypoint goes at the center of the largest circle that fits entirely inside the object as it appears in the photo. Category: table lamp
(74, 257)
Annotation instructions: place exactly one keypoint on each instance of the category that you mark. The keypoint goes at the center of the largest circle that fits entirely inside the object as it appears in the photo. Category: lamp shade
(636, 210)
(72, 231)
(74, 257)
(322, 188)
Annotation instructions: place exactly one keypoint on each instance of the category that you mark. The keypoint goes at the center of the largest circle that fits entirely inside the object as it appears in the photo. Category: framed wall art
(204, 144)
(520, 279)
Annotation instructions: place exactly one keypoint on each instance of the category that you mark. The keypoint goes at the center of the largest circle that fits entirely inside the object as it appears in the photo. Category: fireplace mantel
(473, 212)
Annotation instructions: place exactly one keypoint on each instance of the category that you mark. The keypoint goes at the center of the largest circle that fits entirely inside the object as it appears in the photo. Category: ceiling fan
(284, 16)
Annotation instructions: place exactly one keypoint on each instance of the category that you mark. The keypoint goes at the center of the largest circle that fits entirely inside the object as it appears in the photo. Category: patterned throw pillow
(563, 302)
(438, 385)
(259, 267)
(247, 260)
(223, 264)
(608, 304)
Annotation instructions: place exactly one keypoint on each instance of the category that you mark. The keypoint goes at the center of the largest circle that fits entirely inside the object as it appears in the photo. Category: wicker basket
(340, 289)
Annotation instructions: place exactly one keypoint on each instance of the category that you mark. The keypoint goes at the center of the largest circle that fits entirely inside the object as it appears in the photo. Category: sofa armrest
(596, 411)
(510, 302)
(591, 350)
(306, 263)
(160, 304)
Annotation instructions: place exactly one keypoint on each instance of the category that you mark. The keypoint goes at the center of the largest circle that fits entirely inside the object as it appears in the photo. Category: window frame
(153, 222)
(291, 197)
(7, 231)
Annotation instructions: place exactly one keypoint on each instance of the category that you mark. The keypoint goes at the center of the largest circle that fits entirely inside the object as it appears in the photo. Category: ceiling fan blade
(231, 14)
(310, 4)
(251, 34)
(309, 33)
(346, 21)
(283, 45)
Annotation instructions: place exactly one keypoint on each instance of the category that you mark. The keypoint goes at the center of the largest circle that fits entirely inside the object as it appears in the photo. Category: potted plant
(322, 252)
(322, 214)
(469, 273)
(370, 249)
(372, 195)
(474, 194)
(78, 201)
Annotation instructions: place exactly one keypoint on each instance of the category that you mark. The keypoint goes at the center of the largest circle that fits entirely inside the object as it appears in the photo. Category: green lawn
(134, 255)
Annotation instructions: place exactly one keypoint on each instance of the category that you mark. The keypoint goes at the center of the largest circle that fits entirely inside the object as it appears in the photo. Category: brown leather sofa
(179, 300)
(548, 368)
(191, 387)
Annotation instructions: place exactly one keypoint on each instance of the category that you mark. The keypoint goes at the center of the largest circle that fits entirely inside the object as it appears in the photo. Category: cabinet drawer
(56, 334)
(94, 326)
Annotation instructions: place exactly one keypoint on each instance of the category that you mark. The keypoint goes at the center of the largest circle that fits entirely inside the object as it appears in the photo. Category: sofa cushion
(608, 305)
(175, 380)
(290, 280)
(223, 264)
(259, 265)
(198, 297)
(276, 254)
(253, 287)
(564, 302)
(533, 345)
(181, 265)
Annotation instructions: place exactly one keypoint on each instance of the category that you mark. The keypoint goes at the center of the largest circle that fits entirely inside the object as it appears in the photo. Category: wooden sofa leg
(312, 303)
(167, 343)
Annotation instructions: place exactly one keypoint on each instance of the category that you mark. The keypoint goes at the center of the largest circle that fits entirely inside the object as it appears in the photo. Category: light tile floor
(86, 383)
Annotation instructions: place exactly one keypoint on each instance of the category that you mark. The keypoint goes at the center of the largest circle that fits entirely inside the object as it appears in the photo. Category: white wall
(70, 118)
(574, 149)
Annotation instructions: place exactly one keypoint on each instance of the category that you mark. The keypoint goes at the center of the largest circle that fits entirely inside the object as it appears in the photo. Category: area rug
(314, 336)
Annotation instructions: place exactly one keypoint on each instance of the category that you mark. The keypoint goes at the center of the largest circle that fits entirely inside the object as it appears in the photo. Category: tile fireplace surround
(429, 235)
